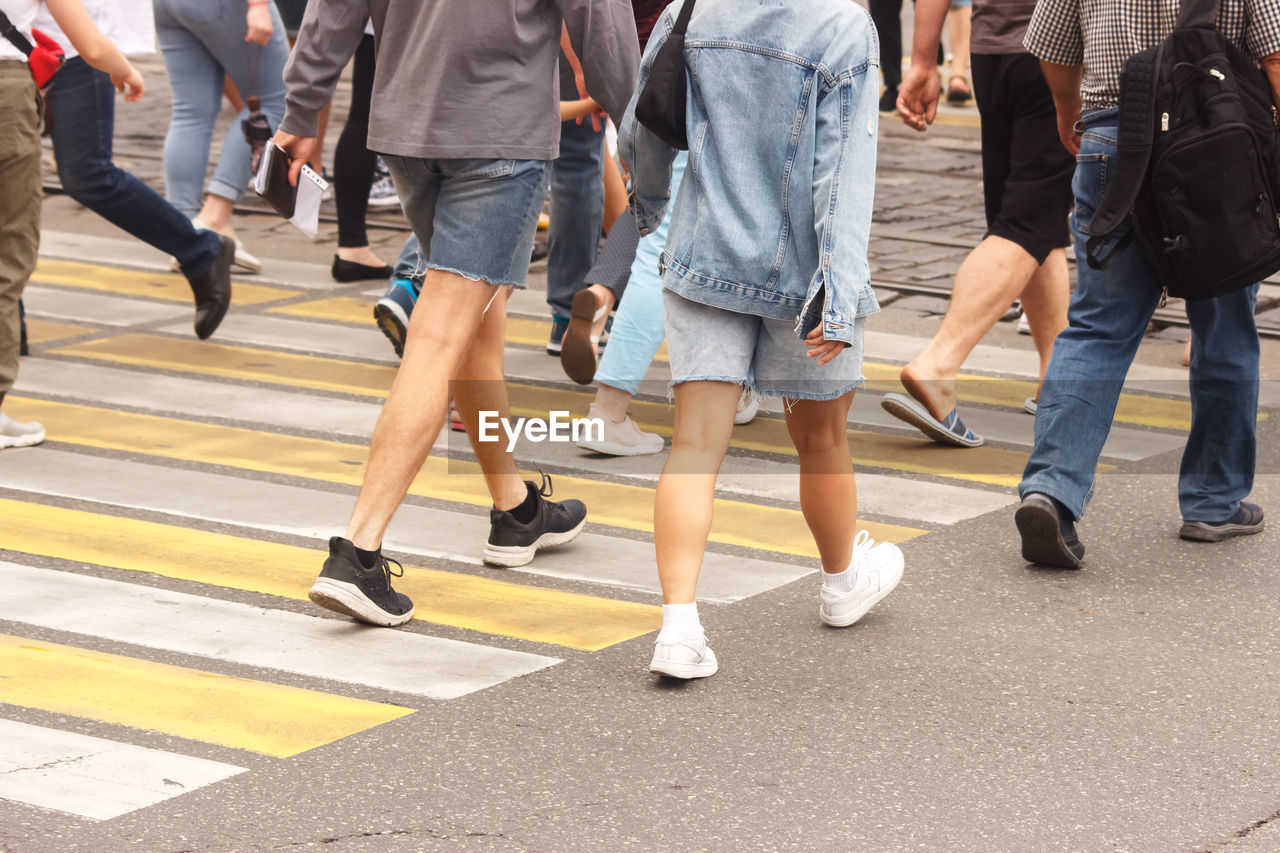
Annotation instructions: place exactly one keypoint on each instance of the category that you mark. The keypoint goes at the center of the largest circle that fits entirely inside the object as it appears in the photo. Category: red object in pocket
(45, 59)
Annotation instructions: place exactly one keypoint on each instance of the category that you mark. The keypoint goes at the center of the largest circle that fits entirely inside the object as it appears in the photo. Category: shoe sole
(685, 671)
(609, 448)
(390, 201)
(1194, 531)
(918, 417)
(514, 556)
(347, 599)
(1042, 542)
(576, 356)
(846, 621)
(392, 322)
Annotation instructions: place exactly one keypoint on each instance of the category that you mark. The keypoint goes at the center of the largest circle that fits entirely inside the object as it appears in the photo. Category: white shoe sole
(678, 669)
(845, 620)
(388, 202)
(346, 598)
(610, 448)
(22, 440)
(514, 556)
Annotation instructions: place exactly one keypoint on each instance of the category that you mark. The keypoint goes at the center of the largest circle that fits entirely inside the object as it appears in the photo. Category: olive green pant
(19, 204)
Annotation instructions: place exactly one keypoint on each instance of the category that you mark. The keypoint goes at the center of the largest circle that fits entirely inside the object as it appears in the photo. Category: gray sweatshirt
(463, 78)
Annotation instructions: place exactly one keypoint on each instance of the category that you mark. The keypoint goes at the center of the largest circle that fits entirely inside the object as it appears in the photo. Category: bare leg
(440, 331)
(613, 402)
(482, 387)
(958, 23)
(993, 274)
(685, 498)
(361, 255)
(1045, 299)
(216, 214)
(828, 491)
(317, 154)
(615, 191)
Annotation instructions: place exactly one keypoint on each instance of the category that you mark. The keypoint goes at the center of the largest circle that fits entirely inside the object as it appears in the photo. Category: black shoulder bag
(662, 102)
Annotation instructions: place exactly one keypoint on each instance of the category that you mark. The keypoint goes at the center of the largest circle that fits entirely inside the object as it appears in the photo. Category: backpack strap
(14, 36)
(1133, 154)
(682, 20)
(1201, 14)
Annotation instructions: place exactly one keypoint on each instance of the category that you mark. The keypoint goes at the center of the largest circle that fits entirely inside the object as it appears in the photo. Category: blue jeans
(577, 212)
(82, 104)
(408, 264)
(202, 41)
(1108, 317)
(639, 327)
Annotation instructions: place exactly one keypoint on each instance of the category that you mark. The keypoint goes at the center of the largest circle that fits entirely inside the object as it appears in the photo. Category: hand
(821, 349)
(1067, 130)
(299, 149)
(130, 85)
(259, 19)
(918, 97)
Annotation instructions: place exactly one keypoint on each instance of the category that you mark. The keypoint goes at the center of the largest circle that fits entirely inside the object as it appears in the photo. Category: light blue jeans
(202, 41)
(1108, 317)
(638, 328)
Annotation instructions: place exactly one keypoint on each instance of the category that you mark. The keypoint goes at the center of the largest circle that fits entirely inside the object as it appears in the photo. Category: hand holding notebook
(300, 204)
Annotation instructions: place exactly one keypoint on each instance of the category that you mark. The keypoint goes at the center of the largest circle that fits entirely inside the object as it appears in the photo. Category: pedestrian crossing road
(156, 551)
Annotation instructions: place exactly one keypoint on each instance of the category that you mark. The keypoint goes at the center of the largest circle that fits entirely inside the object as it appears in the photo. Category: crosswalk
(157, 550)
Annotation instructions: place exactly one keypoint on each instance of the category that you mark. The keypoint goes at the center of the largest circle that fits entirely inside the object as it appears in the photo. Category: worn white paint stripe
(85, 307)
(314, 513)
(93, 777)
(334, 649)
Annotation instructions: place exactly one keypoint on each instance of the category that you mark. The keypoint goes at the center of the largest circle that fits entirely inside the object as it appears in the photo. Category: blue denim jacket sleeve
(647, 157)
(843, 192)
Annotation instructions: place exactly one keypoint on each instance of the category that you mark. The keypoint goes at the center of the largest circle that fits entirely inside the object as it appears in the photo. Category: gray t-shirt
(999, 25)
(460, 79)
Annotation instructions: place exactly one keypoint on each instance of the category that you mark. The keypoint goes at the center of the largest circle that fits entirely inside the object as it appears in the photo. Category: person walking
(1082, 46)
(203, 42)
(81, 107)
(782, 103)
(1026, 184)
(472, 189)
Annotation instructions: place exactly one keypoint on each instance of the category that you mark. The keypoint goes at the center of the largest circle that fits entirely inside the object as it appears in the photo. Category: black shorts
(1026, 173)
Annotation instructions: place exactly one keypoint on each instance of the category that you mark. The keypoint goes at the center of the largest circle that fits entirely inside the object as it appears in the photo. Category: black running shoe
(1048, 533)
(212, 289)
(347, 587)
(1247, 521)
(513, 544)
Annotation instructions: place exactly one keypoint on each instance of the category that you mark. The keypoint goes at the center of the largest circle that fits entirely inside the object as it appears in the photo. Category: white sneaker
(624, 439)
(688, 658)
(1023, 327)
(748, 405)
(383, 191)
(243, 259)
(879, 567)
(15, 433)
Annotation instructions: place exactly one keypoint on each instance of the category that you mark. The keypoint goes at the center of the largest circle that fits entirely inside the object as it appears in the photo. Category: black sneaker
(513, 544)
(889, 100)
(1247, 521)
(212, 289)
(345, 586)
(1048, 533)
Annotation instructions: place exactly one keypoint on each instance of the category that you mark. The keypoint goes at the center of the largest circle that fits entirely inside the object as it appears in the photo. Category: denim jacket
(774, 213)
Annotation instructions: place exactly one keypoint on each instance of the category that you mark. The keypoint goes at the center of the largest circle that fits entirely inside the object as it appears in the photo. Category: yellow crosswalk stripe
(158, 285)
(44, 331)
(258, 716)
(902, 453)
(476, 603)
(617, 504)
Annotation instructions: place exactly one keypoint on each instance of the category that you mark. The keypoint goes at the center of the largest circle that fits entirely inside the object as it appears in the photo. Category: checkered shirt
(1101, 35)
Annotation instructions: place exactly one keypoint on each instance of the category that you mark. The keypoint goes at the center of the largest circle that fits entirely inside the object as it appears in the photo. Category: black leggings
(353, 162)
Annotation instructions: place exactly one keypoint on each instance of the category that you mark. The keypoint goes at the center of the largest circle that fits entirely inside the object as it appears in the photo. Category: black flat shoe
(347, 271)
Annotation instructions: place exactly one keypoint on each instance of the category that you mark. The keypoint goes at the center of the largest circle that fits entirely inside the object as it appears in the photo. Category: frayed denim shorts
(474, 218)
(708, 344)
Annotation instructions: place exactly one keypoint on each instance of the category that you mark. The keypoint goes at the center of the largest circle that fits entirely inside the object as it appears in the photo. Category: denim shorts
(473, 218)
(708, 344)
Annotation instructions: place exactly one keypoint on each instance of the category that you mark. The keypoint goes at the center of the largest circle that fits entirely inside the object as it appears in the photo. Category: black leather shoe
(212, 289)
(348, 271)
(1048, 533)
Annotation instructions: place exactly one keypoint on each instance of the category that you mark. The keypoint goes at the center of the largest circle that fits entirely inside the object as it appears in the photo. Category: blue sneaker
(559, 325)
(393, 311)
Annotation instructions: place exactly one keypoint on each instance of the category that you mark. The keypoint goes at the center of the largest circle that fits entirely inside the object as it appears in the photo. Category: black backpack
(1196, 163)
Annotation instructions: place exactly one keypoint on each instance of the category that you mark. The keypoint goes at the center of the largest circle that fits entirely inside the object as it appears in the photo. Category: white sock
(679, 622)
(841, 581)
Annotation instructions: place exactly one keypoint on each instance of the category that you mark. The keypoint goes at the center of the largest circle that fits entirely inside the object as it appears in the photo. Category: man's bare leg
(442, 328)
(1045, 299)
(988, 281)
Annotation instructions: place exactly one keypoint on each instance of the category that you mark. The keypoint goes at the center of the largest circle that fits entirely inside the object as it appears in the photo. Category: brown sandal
(961, 94)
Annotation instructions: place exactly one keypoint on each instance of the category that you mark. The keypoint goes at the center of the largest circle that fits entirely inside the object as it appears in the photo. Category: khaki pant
(20, 193)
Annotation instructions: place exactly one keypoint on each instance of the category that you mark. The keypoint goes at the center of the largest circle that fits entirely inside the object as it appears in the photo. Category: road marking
(257, 716)
(982, 464)
(618, 504)
(446, 598)
(335, 649)
(157, 285)
(44, 331)
(85, 307)
(315, 513)
(93, 777)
